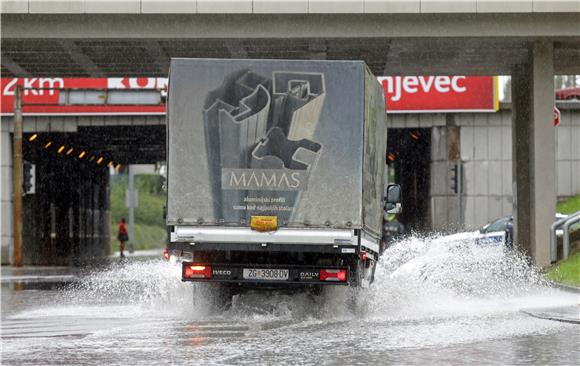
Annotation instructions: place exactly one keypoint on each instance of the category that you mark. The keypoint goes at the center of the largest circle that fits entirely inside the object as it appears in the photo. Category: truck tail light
(363, 256)
(337, 275)
(197, 271)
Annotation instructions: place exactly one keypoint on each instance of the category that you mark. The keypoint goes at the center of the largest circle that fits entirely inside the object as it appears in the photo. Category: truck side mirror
(393, 199)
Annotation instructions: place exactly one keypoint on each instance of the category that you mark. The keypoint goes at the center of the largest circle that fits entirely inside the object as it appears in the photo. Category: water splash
(450, 276)
(152, 286)
(434, 298)
(417, 278)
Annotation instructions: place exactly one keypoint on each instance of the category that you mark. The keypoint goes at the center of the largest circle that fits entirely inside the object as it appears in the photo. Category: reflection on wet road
(433, 302)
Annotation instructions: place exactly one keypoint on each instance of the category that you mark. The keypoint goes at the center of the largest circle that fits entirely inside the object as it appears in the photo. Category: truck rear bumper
(263, 247)
(224, 234)
(278, 275)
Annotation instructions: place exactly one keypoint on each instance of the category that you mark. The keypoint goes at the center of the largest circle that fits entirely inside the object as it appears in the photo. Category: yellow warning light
(264, 223)
(60, 149)
(100, 160)
(33, 137)
(69, 151)
(82, 154)
(47, 145)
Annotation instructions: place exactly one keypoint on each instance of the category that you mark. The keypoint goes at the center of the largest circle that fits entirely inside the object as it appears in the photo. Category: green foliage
(567, 272)
(150, 183)
(569, 206)
(118, 209)
(146, 237)
(149, 222)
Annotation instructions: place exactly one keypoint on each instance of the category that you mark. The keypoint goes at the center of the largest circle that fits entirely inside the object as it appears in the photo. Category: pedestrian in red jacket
(122, 235)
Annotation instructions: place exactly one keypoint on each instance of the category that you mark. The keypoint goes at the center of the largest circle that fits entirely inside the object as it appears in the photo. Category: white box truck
(276, 171)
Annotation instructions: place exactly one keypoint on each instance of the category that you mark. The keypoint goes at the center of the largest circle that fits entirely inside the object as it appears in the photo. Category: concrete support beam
(78, 56)
(159, 55)
(13, 67)
(236, 49)
(203, 26)
(534, 152)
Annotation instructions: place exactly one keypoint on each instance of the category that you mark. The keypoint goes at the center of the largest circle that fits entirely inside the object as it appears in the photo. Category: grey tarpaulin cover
(266, 137)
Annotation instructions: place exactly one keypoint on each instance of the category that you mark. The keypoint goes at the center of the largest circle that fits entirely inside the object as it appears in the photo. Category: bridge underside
(408, 56)
(391, 44)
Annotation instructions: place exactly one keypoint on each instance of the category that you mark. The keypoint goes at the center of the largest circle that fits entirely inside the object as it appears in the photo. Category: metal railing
(565, 224)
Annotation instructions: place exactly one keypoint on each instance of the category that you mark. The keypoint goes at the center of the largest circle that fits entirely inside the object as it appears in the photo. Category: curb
(551, 317)
(43, 279)
(567, 288)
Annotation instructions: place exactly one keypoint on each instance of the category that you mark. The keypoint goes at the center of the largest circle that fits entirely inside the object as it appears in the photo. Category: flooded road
(433, 301)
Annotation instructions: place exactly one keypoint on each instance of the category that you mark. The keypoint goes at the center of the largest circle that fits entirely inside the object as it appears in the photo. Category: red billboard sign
(423, 94)
(404, 94)
(48, 96)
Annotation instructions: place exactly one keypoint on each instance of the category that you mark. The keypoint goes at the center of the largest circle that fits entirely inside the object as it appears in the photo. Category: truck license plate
(265, 274)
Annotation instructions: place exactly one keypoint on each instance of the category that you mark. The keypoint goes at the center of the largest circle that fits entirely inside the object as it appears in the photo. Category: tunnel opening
(409, 161)
(67, 213)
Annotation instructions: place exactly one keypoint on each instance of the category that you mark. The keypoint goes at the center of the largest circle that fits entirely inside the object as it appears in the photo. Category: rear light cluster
(337, 275)
(363, 256)
(196, 271)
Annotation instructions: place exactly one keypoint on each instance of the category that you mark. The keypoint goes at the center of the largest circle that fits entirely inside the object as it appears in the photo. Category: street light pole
(17, 178)
(132, 204)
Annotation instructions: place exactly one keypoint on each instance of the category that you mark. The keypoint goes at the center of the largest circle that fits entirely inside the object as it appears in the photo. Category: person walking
(122, 236)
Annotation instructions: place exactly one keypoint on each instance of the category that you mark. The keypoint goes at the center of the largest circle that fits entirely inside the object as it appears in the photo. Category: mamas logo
(264, 179)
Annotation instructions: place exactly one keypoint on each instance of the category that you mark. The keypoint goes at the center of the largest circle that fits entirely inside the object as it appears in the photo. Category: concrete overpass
(532, 40)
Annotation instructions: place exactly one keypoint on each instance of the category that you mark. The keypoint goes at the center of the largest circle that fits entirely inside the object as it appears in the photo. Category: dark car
(496, 232)
(568, 94)
(500, 231)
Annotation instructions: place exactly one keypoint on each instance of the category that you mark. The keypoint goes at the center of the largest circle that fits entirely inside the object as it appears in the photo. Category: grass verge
(569, 206)
(567, 272)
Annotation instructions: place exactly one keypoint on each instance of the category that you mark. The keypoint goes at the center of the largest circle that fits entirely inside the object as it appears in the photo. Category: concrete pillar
(6, 194)
(534, 157)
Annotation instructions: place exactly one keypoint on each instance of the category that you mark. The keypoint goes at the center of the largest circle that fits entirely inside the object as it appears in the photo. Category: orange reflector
(264, 223)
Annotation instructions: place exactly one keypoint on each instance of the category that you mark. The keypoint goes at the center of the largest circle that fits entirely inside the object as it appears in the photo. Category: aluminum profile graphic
(258, 142)
(235, 119)
(299, 98)
(302, 140)
(295, 159)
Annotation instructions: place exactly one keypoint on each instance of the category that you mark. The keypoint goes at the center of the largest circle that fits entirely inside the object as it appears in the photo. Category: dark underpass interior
(409, 152)
(67, 218)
